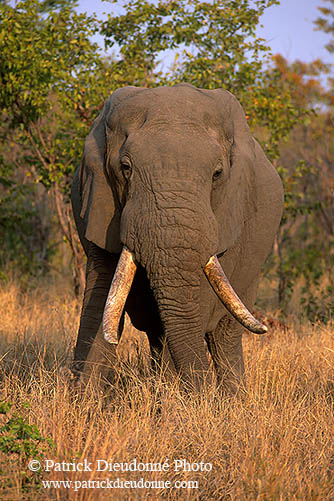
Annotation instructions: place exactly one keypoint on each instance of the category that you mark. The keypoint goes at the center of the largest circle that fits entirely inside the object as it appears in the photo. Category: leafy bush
(20, 442)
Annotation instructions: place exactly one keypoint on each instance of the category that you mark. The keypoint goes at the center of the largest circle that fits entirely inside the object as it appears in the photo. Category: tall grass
(273, 442)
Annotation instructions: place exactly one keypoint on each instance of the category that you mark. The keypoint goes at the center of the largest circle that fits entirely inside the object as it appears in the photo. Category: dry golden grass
(274, 442)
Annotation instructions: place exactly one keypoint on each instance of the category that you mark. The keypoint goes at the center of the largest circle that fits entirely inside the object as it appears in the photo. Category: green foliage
(215, 42)
(21, 441)
(326, 22)
(52, 84)
(5, 407)
(306, 237)
(296, 197)
(271, 112)
(49, 5)
(25, 246)
(19, 437)
(214, 45)
(318, 305)
(49, 70)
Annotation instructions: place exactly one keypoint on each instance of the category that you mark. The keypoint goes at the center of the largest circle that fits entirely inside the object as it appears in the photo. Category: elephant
(176, 207)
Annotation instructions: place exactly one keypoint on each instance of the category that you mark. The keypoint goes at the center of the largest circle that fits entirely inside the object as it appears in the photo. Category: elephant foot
(66, 375)
(93, 374)
(232, 386)
(71, 379)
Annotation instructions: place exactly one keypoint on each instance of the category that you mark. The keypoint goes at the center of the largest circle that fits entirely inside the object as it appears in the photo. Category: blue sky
(288, 28)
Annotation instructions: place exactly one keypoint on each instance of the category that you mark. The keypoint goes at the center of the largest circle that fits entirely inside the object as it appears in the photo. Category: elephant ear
(238, 201)
(95, 203)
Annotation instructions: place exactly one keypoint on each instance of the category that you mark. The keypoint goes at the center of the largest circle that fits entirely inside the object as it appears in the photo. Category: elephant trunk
(121, 285)
(176, 288)
(175, 254)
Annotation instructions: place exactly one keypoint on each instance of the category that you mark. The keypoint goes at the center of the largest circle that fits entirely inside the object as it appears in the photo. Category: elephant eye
(126, 169)
(217, 174)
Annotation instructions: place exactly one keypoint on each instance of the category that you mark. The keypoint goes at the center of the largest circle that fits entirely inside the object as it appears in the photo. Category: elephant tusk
(229, 298)
(117, 296)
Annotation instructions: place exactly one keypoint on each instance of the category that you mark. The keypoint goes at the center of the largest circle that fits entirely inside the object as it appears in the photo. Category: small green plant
(21, 441)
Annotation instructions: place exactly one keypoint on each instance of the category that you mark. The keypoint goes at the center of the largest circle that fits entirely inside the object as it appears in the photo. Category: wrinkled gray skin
(175, 175)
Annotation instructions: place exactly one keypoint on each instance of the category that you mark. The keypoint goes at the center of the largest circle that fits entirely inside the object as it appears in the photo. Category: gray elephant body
(174, 175)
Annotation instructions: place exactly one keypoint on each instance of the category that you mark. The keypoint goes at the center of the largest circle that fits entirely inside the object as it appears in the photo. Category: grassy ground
(274, 443)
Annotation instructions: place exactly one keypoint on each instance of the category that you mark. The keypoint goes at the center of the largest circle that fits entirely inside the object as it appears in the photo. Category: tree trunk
(65, 217)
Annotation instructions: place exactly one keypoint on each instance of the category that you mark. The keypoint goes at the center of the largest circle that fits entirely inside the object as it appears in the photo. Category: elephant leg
(225, 347)
(195, 371)
(93, 355)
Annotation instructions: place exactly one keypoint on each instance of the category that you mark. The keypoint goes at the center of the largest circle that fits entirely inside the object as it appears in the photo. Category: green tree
(214, 44)
(25, 235)
(52, 83)
(326, 23)
(306, 238)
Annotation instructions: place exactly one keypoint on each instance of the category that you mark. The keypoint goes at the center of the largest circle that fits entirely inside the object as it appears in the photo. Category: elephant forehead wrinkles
(168, 107)
(170, 148)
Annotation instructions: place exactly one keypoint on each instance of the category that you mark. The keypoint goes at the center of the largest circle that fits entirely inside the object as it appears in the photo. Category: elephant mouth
(122, 282)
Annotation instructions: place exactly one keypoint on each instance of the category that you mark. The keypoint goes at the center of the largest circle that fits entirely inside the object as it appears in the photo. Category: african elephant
(172, 190)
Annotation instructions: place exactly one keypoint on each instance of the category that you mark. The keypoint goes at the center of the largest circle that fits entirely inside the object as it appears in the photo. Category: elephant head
(172, 181)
